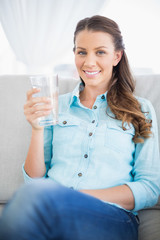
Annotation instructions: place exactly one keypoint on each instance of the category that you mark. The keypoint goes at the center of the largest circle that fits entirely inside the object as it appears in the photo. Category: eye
(81, 53)
(100, 52)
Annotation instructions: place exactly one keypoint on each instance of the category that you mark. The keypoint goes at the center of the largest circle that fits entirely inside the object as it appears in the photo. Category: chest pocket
(118, 139)
(67, 130)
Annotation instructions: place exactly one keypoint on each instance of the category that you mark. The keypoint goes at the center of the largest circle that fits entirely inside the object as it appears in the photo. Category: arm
(146, 169)
(34, 165)
(121, 195)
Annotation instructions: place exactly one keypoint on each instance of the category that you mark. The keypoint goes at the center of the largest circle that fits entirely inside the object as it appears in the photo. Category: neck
(88, 96)
(90, 93)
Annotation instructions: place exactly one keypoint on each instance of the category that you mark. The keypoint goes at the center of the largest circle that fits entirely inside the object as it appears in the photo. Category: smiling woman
(103, 66)
(95, 61)
(95, 58)
(99, 165)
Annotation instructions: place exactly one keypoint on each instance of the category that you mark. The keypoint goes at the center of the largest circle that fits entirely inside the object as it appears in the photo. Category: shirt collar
(76, 92)
(79, 88)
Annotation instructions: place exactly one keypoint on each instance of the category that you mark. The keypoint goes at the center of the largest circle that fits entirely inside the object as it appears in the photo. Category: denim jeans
(44, 210)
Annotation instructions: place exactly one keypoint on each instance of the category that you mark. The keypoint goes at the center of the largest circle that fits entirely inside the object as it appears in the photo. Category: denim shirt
(88, 149)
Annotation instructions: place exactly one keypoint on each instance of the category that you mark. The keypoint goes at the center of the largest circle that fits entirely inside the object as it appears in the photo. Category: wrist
(37, 130)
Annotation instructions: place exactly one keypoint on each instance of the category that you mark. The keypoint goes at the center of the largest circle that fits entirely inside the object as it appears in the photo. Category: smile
(91, 73)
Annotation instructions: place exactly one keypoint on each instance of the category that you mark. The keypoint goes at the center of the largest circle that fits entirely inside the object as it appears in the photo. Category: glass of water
(48, 85)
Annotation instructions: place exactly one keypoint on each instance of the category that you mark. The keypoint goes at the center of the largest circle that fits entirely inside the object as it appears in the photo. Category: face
(95, 57)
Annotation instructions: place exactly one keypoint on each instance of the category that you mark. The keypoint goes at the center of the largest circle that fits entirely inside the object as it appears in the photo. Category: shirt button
(86, 155)
(64, 122)
(95, 107)
(93, 121)
(80, 174)
(103, 97)
(90, 134)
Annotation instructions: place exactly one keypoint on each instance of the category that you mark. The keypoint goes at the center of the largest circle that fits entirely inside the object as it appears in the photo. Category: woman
(101, 159)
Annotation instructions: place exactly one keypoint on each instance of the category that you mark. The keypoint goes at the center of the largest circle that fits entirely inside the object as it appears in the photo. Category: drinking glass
(48, 85)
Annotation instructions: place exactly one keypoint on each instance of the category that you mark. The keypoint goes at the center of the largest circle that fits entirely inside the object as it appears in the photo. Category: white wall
(139, 21)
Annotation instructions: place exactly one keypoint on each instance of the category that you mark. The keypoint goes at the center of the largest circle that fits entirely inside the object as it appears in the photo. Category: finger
(34, 116)
(31, 92)
(37, 115)
(38, 100)
(36, 108)
(44, 107)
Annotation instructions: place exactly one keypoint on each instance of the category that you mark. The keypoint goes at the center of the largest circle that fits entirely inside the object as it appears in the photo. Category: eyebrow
(101, 47)
(95, 48)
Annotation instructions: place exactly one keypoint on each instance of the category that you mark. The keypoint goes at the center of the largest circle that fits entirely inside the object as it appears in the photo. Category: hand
(36, 107)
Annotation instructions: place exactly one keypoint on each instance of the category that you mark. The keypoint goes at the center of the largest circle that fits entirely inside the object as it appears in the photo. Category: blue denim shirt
(88, 149)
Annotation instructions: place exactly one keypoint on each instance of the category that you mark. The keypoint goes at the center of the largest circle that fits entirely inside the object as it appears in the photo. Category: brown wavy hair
(120, 98)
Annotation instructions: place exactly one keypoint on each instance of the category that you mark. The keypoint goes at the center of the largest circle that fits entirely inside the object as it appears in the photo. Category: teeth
(92, 73)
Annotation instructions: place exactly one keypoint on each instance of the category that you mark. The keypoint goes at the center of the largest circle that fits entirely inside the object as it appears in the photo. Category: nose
(90, 61)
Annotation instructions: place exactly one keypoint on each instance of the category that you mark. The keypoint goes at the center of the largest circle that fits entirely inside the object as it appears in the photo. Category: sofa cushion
(15, 133)
(149, 228)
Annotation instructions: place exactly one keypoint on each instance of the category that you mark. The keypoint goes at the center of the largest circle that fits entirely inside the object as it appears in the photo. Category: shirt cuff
(139, 195)
(27, 178)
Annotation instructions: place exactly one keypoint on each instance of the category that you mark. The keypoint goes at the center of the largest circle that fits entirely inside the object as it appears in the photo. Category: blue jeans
(44, 210)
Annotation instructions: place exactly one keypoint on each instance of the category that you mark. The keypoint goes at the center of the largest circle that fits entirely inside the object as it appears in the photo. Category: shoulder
(64, 101)
(146, 107)
(64, 97)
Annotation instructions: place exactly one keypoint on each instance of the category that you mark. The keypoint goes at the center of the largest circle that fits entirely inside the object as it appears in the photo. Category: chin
(90, 83)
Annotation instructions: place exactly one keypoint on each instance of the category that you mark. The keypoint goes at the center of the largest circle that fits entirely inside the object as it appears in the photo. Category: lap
(76, 214)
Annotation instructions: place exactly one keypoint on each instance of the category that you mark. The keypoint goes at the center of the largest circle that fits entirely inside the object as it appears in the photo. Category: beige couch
(15, 136)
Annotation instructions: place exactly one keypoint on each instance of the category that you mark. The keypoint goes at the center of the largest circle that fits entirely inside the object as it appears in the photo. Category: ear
(118, 56)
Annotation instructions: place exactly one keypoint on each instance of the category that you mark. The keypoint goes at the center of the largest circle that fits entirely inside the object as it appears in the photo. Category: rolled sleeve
(146, 170)
(27, 178)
